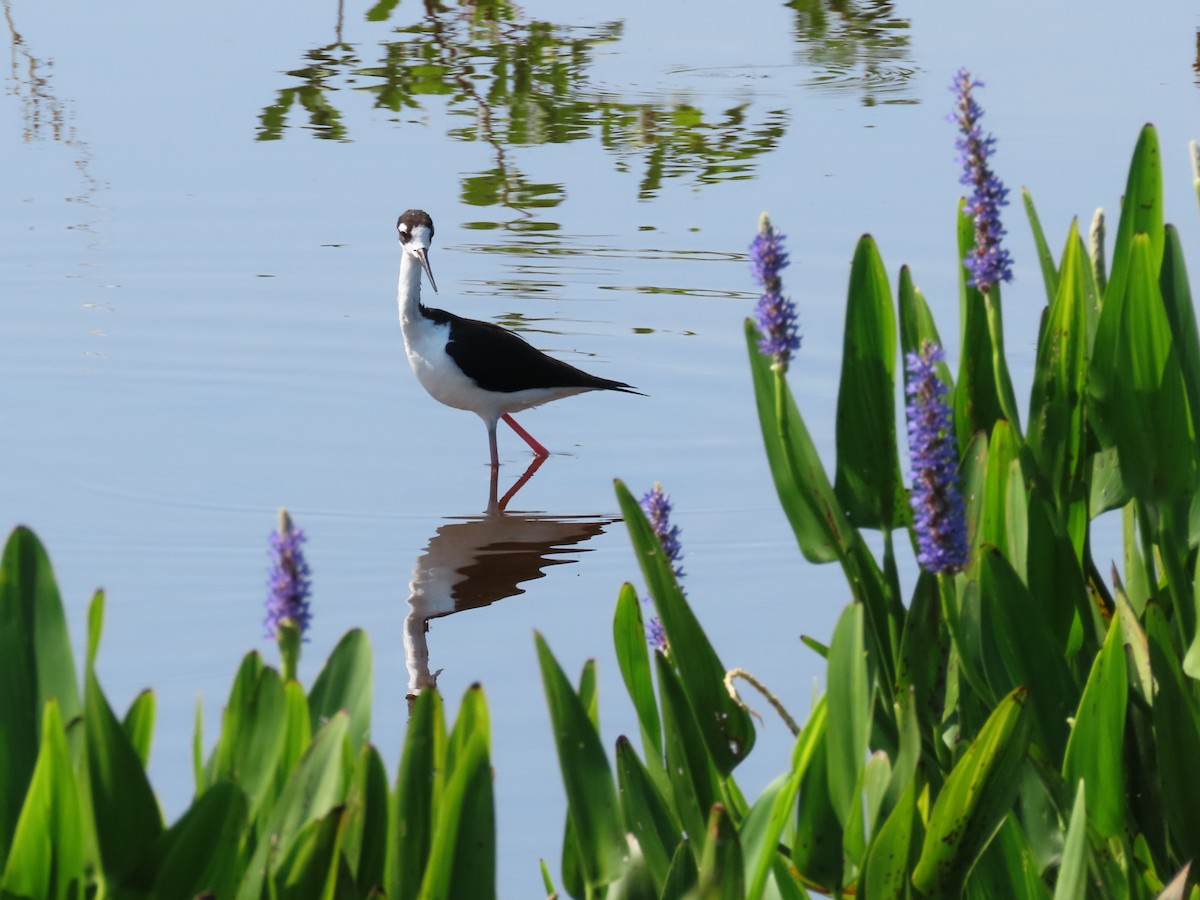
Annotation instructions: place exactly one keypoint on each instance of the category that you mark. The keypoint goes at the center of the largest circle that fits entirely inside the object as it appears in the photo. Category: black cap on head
(410, 220)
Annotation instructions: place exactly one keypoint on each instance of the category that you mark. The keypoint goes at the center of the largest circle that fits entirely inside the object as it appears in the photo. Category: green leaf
(893, 852)
(139, 724)
(983, 394)
(1020, 649)
(364, 843)
(1094, 750)
(46, 856)
(1072, 873)
(809, 743)
(345, 683)
(916, 323)
(591, 797)
(126, 812)
(1177, 738)
(726, 726)
(721, 867)
(1150, 419)
(1045, 258)
(849, 693)
(1141, 213)
(817, 847)
(695, 784)
(683, 874)
(868, 480)
(310, 863)
(418, 786)
(645, 813)
(253, 731)
(804, 490)
(1057, 427)
(462, 855)
(317, 785)
(976, 797)
(217, 822)
(35, 664)
(633, 658)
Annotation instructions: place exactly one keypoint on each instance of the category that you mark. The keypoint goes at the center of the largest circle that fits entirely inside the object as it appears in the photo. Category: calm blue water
(200, 325)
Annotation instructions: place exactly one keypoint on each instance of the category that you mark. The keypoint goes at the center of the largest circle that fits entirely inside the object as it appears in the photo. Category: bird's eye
(404, 235)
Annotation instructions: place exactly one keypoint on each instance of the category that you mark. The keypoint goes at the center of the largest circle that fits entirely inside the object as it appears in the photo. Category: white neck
(408, 294)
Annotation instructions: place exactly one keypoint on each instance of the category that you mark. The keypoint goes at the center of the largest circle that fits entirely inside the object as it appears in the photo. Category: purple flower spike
(289, 579)
(989, 263)
(939, 515)
(657, 506)
(776, 314)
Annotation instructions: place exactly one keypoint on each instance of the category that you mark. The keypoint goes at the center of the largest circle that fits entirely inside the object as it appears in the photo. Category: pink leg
(538, 450)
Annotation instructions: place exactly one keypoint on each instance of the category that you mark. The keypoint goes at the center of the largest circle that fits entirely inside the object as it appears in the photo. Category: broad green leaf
(46, 856)
(1057, 428)
(1045, 258)
(139, 724)
(721, 866)
(983, 393)
(924, 649)
(817, 846)
(849, 692)
(345, 683)
(868, 481)
(727, 728)
(893, 852)
(309, 864)
(1020, 650)
(587, 778)
(1177, 738)
(644, 813)
(633, 658)
(462, 855)
(297, 732)
(916, 323)
(36, 664)
(1094, 750)
(809, 743)
(316, 786)
(695, 783)
(253, 730)
(976, 797)
(1181, 314)
(1150, 420)
(418, 789)
(682, 875)
(1007, 868)
(216, 821)
(1002, 451)
(126, 812)
(1072, 873)
(804, 490)
(364, 842)
(1141, 213)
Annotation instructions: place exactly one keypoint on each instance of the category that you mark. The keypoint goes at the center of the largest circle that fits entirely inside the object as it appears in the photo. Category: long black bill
(421, 255)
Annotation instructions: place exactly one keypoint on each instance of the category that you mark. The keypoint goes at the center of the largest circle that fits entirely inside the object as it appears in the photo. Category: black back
(498, 360)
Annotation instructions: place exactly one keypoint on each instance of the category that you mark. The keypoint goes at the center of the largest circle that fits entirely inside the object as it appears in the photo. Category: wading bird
(476, 365)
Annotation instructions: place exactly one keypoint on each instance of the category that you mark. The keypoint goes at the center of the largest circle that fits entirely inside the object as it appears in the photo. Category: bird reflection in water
(474, 561)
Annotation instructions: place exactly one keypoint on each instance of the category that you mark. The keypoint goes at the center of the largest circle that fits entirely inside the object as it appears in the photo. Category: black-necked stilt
(476, 365)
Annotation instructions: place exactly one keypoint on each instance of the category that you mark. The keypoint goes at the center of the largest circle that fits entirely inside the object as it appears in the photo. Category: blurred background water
(199, 261)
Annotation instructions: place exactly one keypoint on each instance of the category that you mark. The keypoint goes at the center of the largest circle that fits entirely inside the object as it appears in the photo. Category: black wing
(498, 360)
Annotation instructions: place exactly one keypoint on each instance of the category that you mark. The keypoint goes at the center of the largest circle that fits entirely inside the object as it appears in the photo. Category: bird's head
(416, 235)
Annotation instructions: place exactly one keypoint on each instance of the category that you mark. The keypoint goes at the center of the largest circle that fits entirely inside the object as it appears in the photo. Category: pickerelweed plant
(1015, 726)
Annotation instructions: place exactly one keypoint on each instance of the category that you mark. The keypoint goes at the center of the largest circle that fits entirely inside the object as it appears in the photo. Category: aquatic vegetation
(775, 313)
(657, 506)
(988, 261)
(289, 582)
(939, 518)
